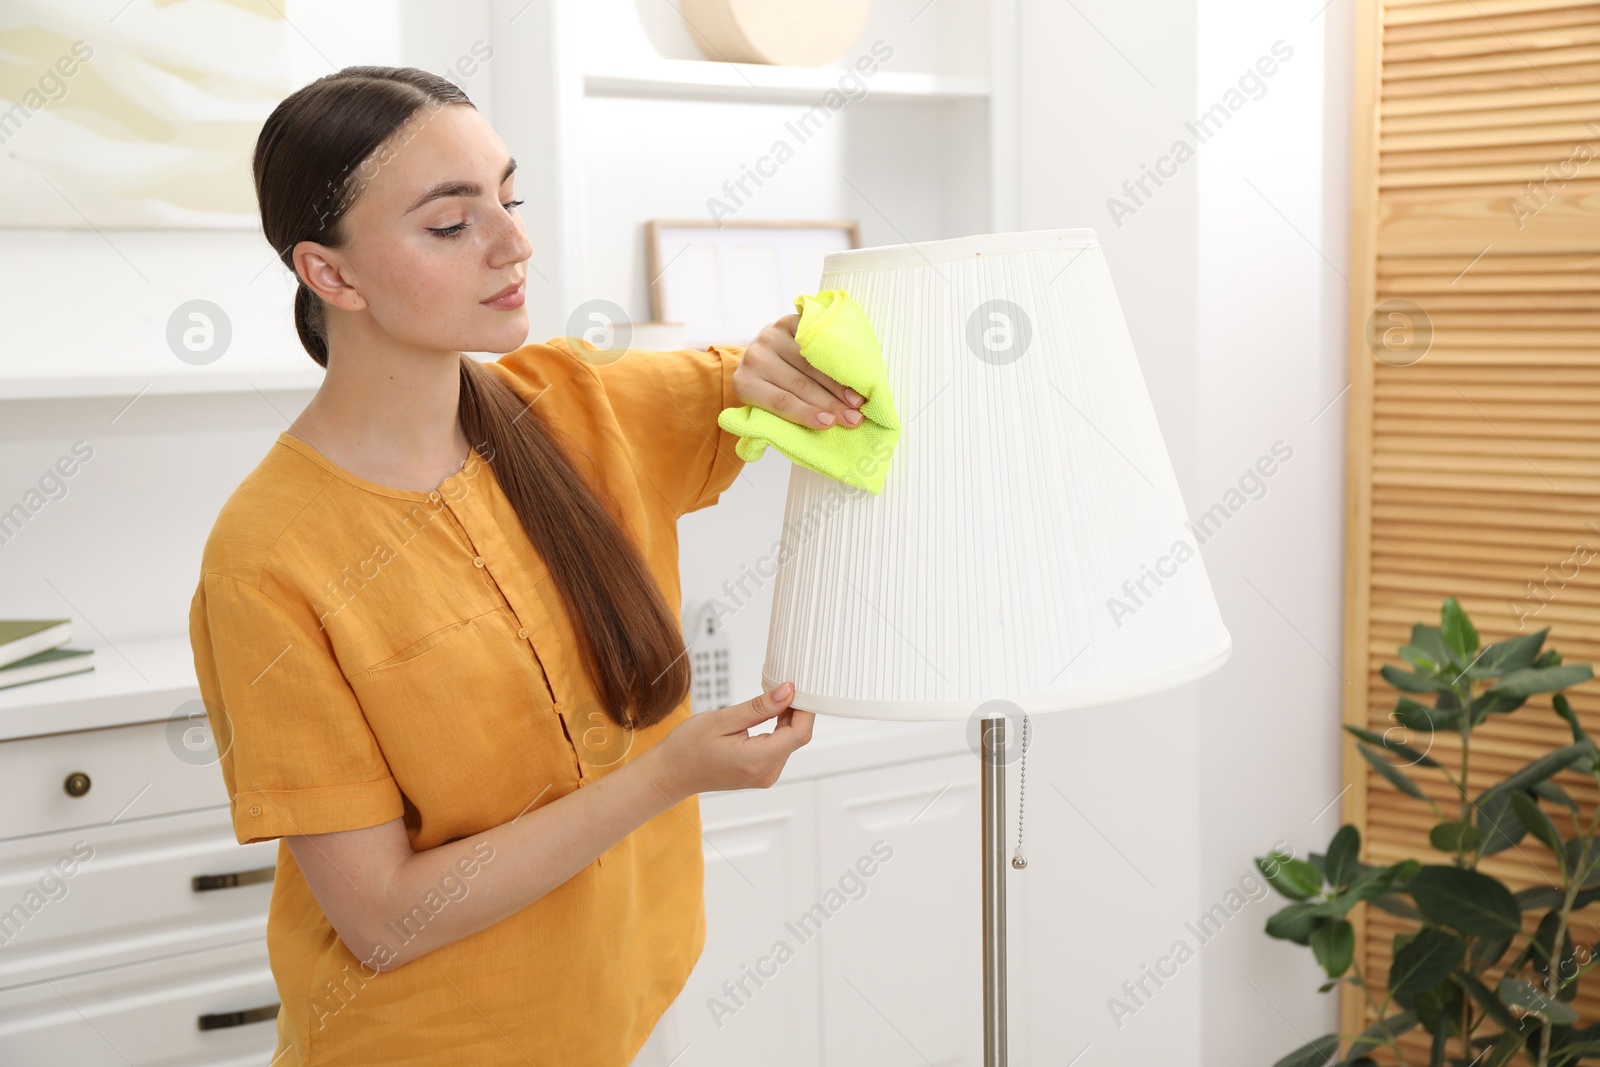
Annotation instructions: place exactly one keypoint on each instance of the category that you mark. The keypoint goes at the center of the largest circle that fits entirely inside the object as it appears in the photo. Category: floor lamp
(1029, 552)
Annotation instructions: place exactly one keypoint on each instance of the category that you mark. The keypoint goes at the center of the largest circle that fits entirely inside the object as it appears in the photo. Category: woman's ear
(321, 270)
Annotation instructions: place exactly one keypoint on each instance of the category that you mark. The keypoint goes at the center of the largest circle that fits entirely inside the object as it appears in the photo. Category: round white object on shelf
(778, 32)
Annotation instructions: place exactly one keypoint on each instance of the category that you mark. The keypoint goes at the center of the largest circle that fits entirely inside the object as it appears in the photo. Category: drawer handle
(223, 1019)
(205, 882)
(77, 784)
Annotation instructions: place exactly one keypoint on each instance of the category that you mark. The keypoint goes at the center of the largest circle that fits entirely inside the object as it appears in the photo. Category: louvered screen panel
(1474, 469)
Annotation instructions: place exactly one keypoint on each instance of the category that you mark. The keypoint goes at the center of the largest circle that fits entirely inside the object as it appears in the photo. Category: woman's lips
(509, 301)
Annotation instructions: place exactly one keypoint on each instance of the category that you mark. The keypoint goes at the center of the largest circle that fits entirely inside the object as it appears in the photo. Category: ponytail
(632, 645)
(309, 323)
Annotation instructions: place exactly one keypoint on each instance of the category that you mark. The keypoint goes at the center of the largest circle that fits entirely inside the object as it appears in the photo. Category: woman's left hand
(774, 376)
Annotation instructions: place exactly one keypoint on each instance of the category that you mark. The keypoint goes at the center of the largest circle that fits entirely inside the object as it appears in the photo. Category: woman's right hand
(713, 750)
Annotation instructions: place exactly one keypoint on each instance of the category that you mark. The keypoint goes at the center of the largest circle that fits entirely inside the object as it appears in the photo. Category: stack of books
(32, 650)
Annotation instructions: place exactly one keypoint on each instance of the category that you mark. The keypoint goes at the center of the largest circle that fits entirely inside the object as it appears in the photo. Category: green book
(21, 638)
(51, 663)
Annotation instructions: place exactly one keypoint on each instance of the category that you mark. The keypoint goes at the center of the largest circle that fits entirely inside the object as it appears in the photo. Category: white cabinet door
(902, 936)
(753, 996)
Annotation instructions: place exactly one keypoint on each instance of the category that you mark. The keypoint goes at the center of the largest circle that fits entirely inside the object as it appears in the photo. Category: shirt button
(522, 634)
(255, 811)
(477, 561)
(433, 495)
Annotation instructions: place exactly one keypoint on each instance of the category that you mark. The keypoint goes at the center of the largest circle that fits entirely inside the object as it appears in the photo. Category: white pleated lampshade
(1030, 543)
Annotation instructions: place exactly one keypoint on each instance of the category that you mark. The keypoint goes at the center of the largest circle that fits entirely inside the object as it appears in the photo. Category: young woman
(436, 627)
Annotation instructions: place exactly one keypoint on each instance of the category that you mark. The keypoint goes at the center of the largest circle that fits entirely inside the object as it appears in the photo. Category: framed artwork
(137, 114)
(725, 280)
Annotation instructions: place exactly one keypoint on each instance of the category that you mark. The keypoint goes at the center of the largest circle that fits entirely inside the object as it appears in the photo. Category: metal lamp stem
(994, 891)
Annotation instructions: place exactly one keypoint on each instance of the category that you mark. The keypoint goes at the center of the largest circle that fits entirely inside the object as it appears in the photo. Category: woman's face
(432, 234)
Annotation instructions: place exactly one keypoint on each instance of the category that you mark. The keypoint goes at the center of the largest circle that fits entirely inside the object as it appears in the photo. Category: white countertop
(132, 681)
(152, 680)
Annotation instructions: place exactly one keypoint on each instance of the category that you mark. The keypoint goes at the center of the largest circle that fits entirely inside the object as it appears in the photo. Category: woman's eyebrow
(458, 188)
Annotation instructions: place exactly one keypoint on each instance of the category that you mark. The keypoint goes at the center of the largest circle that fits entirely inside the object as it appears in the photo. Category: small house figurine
(708, 657)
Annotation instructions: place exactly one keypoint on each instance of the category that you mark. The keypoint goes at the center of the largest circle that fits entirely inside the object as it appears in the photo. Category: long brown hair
(309, 167)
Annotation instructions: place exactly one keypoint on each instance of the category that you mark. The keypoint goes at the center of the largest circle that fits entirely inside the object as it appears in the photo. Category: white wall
(1230, 274)
(1273, 261)
(1112, 796)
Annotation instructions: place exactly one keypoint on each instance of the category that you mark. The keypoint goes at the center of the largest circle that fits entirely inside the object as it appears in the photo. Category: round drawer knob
(77, 784)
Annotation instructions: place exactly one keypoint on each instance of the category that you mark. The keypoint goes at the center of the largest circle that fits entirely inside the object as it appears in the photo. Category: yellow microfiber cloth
(836, 338)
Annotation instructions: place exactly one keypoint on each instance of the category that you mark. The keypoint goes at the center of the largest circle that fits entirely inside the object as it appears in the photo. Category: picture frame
(726, 279)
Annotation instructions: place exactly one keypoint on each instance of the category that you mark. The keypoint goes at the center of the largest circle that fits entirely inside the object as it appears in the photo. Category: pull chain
(1017, 859)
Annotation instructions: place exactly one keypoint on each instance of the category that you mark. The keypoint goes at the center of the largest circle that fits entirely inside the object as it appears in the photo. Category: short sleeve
(667, 404)
(296, 753)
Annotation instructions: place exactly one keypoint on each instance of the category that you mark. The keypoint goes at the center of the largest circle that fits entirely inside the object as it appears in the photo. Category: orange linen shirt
(367, 653)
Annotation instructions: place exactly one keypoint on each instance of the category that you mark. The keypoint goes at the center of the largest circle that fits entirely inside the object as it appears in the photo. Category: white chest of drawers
(132, 925)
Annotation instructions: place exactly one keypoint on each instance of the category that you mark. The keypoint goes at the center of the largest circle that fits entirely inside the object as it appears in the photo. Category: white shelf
(699, 79)
(137, 681)
(168, 383)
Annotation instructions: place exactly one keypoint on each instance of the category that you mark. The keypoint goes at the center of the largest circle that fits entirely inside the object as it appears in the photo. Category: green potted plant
(1467, 923)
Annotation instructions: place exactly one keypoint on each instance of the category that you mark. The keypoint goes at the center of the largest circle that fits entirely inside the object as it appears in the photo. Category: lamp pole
(993, 749)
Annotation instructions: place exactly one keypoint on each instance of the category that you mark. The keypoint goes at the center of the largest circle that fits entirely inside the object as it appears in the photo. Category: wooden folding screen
(1474, 408)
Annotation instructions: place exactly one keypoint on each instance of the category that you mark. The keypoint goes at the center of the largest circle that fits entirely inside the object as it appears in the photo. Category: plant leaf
(1512, 654)
(1550, 791)
(1395, 904)
(1487, 1000)
(1293, 922)
(1380, 1033)
(1500, 825)
(1426, 961)
(1431, 641)
(1333, 942)
(1455, 837)
(1531, 680)
(1563, 708)
(1509, 1044)
(1539, 825)
(1440, 1032)
(1443, 1000)
(1460, 636)
(1586, 872)
(1421, 659)
(1411, 682)
(1540, 896)
(1368, 884)
(1424, 720)
(1387, 769)
(1412, 756)
(1295, 879)
(1491, 703)
(1576, 1044)
(1486, 951)
(1340, 866)
(1465, 900)
(1316, 1054)
(1543, 946)
(1537, 771)
(1519, 993)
